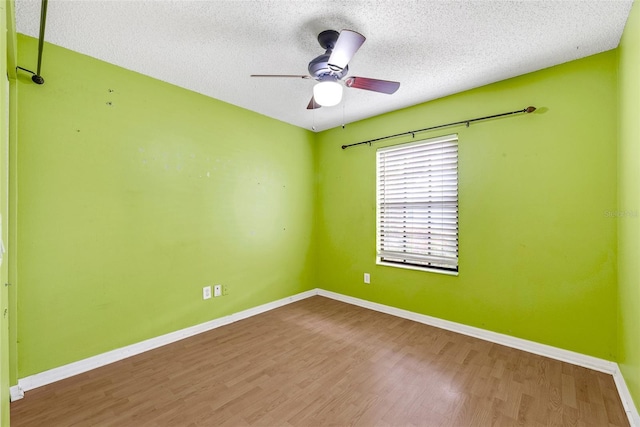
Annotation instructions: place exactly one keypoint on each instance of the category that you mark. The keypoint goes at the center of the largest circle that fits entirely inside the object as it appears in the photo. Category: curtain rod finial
(530, 109)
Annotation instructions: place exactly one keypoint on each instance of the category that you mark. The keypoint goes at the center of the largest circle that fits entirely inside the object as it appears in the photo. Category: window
(417, 208)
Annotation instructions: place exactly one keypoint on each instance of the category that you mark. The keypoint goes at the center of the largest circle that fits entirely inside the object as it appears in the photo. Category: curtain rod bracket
(34, 77)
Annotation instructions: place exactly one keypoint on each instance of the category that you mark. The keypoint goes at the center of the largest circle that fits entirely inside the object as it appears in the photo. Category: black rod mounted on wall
(461, 122)
(37, 78)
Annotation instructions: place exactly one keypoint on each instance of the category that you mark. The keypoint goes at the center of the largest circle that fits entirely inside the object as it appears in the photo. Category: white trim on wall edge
(627, 400)
(75, 368)
(15, 393)
(579, 359)
(56, 374)
(556, 353)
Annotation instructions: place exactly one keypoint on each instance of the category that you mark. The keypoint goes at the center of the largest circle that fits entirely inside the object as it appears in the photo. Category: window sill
(414, 267)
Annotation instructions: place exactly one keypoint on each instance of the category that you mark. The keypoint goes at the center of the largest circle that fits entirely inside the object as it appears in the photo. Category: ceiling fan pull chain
(313, 126)
(344, 102)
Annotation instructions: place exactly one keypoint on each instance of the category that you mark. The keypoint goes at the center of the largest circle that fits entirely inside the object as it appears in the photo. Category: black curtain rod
(461, 122)
(37, 77)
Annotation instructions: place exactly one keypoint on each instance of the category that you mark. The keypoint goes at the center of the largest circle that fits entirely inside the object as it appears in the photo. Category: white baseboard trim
(75, 368)
(627, 400)
(15, 393)
(590, 362)
(562, 355)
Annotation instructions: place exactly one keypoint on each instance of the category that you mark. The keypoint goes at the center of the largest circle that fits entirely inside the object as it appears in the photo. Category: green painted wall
(537, 246)
(629, 205)
(134, 194)
(4, 197)
(11, 246)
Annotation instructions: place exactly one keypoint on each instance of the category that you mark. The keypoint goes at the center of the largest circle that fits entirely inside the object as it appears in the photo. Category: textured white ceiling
(434, 48)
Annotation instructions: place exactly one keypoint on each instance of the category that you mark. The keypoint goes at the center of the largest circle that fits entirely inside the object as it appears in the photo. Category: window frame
(379, 232)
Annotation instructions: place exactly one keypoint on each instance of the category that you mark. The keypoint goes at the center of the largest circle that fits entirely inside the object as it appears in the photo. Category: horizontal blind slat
(418, 257)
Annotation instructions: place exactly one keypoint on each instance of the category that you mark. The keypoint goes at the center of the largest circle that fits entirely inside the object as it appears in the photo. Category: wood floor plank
(320, 362)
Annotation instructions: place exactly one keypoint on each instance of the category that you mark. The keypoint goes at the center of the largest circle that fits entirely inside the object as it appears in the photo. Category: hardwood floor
(320, 362)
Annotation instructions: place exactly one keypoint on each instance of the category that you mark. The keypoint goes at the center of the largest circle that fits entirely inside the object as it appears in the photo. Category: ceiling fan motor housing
(318, 68)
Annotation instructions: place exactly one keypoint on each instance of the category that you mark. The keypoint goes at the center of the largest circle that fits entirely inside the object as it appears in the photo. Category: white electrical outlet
(206, 292)
(367, 278)
(217, 290)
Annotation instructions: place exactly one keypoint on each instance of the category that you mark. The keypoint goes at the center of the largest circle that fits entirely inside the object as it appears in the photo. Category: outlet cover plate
(206, 292)
(217, 290)
(367, 278)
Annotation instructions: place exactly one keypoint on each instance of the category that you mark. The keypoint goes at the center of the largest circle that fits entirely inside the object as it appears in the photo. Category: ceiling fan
(331, 67)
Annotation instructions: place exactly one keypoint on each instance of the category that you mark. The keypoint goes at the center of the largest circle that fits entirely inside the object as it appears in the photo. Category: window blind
(417, 203)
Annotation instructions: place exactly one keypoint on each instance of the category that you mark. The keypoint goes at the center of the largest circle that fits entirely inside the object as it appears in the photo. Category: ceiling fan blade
(375, 85)
(346, 46)
(298, 76)
(313, 104)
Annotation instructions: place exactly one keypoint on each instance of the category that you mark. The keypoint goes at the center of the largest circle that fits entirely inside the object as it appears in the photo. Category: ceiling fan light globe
(327, 94)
